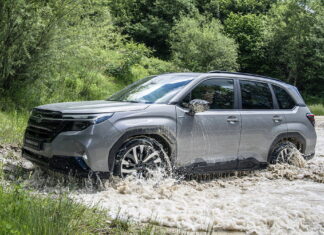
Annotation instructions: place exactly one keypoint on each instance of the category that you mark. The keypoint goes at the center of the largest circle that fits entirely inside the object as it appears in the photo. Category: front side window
(284, 99)
(256, 95)
(218, 92)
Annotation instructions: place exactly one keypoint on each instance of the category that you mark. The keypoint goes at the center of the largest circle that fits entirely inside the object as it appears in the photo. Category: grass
(317, 109)
(12, 126)
(24, 213)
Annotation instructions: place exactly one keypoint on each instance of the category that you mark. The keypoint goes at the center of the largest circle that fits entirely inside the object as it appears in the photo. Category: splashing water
(297, 159)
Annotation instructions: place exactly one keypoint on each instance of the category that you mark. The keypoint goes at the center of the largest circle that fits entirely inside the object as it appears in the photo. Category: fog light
(85, 157)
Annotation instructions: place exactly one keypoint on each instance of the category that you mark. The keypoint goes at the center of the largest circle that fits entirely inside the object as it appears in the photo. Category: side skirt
(219, 167)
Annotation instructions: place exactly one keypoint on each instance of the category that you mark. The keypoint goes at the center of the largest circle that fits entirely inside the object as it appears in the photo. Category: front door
(210, 139)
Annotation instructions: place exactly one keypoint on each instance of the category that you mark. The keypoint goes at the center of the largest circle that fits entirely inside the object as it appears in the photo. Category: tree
(247, 30)
(221, 9)
(26, 29)
(150, 21)
(198, 44)
(292, 43)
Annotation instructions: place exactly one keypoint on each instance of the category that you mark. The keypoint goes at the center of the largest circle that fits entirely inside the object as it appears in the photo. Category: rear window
(256, 95)
(284, 99)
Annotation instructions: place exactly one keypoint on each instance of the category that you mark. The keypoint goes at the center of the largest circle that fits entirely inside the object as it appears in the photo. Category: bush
(198, 44)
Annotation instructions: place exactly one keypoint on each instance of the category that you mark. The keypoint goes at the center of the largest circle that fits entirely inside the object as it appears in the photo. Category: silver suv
(188, 122)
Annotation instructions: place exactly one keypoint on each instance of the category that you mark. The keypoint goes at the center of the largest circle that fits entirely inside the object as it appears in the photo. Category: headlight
(78, 122)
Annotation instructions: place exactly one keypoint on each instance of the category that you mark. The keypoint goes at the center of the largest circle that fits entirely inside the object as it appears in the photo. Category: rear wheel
(140, 156)
(283, 152)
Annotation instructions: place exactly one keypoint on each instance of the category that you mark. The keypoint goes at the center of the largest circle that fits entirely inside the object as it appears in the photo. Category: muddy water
(281, 199)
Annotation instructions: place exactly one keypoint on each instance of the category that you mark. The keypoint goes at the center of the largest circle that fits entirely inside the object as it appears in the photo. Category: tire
(139, 156)
(282, 152)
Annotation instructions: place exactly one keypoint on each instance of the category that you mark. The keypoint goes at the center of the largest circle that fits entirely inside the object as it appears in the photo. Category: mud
(279, 200)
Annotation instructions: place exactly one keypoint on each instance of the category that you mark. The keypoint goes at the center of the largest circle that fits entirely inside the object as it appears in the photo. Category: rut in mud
(282, 198)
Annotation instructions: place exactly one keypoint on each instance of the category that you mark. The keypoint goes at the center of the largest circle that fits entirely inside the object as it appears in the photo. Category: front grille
(43, 127)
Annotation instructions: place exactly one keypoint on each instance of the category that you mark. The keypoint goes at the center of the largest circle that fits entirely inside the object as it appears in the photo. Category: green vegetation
(13, 125)
(202, 39)
(56, 50)
(317, 109)
(25, 213)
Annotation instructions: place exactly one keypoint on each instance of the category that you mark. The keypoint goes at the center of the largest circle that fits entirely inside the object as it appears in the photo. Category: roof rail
(247, 74)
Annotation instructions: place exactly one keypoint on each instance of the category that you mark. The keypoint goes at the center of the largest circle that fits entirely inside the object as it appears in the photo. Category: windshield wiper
(130, 101)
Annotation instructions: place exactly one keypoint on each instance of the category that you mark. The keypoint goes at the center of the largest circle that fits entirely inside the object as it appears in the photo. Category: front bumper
(64, 164)
(64, 152)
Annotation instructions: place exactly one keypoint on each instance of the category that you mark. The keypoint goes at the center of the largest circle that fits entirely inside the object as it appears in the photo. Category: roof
(246, 74)
(236, 74)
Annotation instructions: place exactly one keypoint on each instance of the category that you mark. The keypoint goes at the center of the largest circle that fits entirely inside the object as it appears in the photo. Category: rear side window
(284, 99)
(218, 92)
(256, 95)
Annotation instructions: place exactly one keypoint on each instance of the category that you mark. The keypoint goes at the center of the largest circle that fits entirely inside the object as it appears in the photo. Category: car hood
(98, 106)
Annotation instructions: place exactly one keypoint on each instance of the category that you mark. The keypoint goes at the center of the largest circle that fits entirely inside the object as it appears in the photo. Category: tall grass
(12, 126)
(317, 109)
(24, 213)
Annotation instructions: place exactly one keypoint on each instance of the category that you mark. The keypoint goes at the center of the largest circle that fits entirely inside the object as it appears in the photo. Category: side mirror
(197, 106)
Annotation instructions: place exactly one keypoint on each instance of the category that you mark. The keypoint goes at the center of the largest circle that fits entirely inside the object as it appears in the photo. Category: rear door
(210, 139)
(262, 122)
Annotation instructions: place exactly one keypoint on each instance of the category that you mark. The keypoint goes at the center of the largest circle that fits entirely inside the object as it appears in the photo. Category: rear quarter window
(285, 101)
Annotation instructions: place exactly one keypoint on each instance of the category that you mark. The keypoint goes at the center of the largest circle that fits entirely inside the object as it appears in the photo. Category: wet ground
(281, 199)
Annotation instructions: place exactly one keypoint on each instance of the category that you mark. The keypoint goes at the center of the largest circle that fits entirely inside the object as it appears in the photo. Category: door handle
(277, 119)
(232, 119)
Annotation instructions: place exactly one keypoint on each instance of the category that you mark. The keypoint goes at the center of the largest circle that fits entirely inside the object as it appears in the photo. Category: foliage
(199, 44)
(150, 21)
(26, 32)
(57, 50)
(247, 30)
(292, 43)
(221, 9)
(85, 58)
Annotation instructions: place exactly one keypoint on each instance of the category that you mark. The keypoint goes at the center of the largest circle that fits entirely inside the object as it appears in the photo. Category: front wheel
(141, 156)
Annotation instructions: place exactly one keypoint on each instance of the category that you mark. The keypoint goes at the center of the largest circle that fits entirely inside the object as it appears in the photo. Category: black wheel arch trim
(288, 135)
(161, 132)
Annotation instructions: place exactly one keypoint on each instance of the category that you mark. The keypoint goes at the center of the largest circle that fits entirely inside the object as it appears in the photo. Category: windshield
(155, 89)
